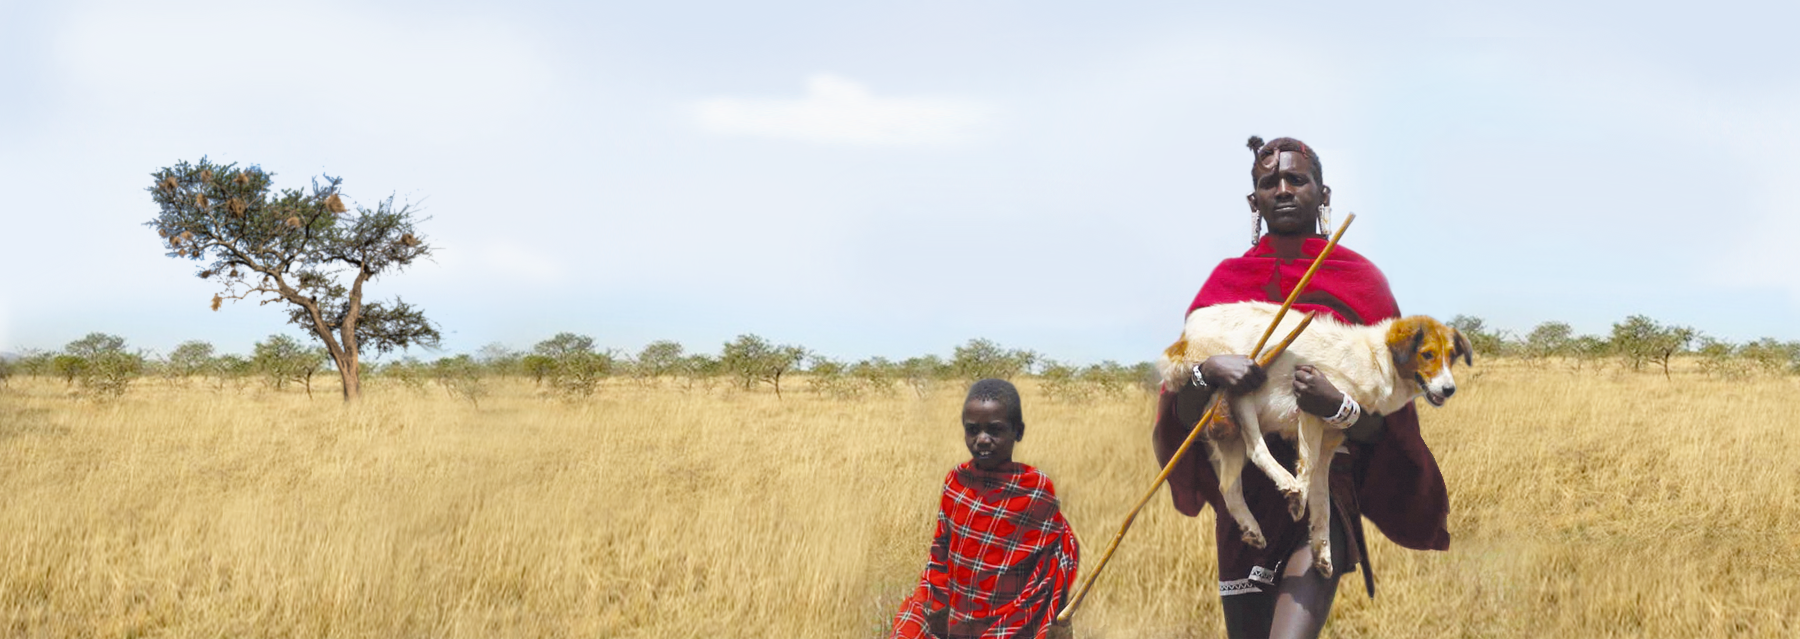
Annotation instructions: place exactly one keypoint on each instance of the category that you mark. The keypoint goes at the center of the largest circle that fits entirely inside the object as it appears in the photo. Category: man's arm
(1318, 396)
(1235, 373)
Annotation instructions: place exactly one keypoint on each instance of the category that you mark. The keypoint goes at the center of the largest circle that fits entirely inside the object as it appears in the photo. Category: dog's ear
(1404, 350)
(1463, 348)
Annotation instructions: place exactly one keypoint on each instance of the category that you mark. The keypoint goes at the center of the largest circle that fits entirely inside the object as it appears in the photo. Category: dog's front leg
(1319, 493)
(1250, 425)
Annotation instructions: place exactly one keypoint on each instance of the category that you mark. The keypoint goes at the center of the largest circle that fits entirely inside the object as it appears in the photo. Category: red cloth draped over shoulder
(1400, 487)
(1001, 560)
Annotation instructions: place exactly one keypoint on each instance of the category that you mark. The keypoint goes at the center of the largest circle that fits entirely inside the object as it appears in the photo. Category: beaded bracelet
(1348, 413)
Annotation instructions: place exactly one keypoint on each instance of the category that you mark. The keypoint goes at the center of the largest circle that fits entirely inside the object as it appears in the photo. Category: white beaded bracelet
(1348, 413)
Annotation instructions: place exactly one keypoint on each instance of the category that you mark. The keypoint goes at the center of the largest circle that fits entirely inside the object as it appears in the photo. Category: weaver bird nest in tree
(169, 183)
(242, 179)
(200, 200)
(236, 206)
(409, 240)
(217, 301)
(293, 221)
(334, 204)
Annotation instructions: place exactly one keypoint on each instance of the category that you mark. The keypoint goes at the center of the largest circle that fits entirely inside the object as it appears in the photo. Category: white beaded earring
(1325, 220)
(1255, 227)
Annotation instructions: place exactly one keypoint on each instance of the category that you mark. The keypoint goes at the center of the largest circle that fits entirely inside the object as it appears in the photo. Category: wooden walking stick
(1212, 409)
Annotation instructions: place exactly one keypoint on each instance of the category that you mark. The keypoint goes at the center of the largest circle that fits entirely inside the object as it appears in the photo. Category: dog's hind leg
(1228, 465)
(1319, 500)
(1306, 446)
(1250, 429)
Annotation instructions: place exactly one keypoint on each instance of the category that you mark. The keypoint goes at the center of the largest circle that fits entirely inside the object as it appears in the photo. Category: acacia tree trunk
(347, 370)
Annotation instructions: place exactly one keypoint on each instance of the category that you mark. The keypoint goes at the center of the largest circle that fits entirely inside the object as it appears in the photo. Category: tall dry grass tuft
(1583, 505)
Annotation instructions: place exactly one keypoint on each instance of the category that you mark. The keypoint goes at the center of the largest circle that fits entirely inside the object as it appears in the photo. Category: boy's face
(989, 433)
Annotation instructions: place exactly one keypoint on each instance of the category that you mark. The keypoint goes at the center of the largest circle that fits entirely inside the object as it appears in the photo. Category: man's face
(989, 432)
(1287, 196)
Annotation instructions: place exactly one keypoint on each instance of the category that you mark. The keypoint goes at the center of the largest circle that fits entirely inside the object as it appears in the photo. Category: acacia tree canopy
(303, 248)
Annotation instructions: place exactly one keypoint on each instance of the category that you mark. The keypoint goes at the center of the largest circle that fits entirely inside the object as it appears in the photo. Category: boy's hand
(1235, 373)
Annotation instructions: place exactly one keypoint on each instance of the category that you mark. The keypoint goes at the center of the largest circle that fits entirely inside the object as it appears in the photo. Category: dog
(1383, 366)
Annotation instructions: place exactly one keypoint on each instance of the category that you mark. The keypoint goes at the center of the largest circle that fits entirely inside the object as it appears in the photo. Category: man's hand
(1314, 393)
(1235, 373)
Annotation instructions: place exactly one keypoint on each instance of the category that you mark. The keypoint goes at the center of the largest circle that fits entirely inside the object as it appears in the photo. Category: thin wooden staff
(1212, 408)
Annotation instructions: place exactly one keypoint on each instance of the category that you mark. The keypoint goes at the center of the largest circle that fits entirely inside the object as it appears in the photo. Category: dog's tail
(1223, 425)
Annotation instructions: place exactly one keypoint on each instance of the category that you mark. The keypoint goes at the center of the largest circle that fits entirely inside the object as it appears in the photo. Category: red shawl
(1001, 561)
(1399, 487)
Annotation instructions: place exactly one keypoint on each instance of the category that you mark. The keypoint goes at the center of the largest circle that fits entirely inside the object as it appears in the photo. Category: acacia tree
(284, 359)
(753, 359)
(570, 364)
(1484, 341)
(190, 358)
(1548, 339)
(982, 359)
(661, 358)
(1642, 339)
(302, 248)
(101, 364)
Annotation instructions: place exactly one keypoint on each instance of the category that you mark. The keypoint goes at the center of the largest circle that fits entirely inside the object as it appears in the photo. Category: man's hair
(1001, 392)
(1278, 145)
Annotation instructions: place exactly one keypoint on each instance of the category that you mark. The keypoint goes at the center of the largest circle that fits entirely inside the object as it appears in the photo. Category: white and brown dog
(1383, 367)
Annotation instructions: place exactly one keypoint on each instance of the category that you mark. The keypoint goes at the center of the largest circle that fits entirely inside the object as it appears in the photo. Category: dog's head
(1424, 350)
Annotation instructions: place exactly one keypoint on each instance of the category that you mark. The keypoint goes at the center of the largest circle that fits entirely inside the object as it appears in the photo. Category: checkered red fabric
(1001, 561)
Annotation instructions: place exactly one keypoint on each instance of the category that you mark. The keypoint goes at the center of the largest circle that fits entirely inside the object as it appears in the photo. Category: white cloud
(838, 110)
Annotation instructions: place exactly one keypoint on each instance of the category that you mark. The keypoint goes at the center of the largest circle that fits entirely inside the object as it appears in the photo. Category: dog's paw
(1254, 538)
(1322, 560)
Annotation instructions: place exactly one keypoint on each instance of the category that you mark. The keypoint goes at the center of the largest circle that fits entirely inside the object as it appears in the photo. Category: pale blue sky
(896, 178)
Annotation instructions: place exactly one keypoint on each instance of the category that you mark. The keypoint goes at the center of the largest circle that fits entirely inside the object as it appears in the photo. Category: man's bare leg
(1304, 599)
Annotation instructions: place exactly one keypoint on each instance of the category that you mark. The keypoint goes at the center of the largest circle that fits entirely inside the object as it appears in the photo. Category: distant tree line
(1637, 342)
(574, 366)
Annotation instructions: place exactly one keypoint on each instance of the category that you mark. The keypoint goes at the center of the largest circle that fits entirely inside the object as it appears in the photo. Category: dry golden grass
(1584, 505)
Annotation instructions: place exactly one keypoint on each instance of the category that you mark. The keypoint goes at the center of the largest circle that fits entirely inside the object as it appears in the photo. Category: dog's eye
(1429, 355)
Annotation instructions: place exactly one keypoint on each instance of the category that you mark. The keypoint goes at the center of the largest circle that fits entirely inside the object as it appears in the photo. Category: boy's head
(992, 422)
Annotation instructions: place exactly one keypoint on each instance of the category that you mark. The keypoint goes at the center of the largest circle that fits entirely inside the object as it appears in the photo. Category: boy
(1003, 556)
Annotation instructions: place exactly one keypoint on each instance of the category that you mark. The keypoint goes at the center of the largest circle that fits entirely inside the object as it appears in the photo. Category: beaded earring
(1325, 220)
(1255, 227)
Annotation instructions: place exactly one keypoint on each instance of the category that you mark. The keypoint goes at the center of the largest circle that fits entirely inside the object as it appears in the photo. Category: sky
(894, 179)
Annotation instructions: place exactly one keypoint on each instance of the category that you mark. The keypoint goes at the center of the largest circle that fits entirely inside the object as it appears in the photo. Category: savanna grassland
(1585, 504)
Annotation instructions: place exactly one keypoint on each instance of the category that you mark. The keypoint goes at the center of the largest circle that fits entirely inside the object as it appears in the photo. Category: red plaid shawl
(1001, 560)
